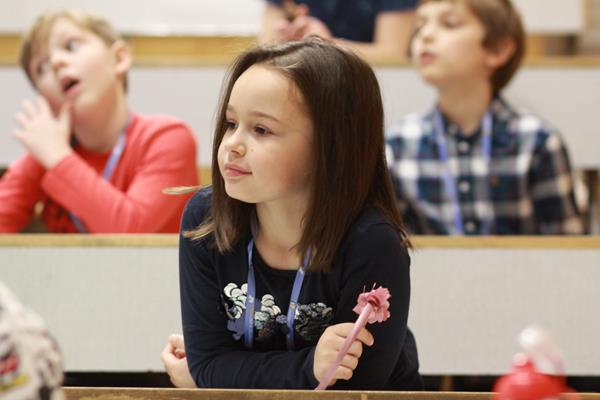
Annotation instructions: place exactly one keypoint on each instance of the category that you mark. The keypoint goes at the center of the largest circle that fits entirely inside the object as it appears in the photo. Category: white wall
(239, 16)
(153, 17)
(568, 97)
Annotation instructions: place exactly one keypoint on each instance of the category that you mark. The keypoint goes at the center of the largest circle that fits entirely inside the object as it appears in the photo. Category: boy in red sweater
(93, 164)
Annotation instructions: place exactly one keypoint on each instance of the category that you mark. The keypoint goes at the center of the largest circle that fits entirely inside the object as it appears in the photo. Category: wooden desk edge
(419, 242)
(78, 393)
(235, 394)
(214, 50)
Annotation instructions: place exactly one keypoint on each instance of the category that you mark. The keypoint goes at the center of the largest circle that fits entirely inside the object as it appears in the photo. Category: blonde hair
(37, 36)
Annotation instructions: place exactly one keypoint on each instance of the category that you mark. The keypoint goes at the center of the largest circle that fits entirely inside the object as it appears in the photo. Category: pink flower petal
(378, 298)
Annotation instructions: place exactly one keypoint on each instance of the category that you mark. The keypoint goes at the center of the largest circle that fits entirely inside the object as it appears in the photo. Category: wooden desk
(112, 300)
(220, 394)
(232, 394)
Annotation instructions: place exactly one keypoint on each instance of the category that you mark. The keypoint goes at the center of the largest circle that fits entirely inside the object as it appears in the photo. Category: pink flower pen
(372, 307)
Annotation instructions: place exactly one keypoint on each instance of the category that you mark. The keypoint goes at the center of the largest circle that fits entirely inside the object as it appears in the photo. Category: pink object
(378, 299)
(372, 307)
(524, 382)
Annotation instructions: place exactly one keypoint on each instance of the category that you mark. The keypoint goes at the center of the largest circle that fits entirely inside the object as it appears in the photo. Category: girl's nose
(233, 141)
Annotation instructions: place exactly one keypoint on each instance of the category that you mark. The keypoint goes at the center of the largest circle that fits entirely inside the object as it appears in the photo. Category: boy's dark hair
(501, 21)
(37, 35)
(341, 95)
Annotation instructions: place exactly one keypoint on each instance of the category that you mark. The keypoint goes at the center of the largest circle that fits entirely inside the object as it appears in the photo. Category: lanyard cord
(251, 301)
(449, 179)
(111, 163)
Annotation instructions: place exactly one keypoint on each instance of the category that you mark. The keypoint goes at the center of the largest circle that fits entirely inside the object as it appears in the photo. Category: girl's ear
(500, 54)
(122, 57)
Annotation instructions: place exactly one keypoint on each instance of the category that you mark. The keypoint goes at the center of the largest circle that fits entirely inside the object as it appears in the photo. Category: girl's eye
(230, 125)
(72, 45)
(261, 130)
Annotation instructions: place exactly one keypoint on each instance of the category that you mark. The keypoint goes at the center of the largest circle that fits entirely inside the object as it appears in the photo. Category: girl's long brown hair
(341, 93)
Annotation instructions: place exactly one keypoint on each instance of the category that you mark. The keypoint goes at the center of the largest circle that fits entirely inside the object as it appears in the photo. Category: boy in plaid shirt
(474, 165)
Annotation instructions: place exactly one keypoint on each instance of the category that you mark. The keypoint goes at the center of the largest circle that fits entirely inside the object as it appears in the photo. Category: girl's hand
(45, 136)
(330, 343)
(173, 358)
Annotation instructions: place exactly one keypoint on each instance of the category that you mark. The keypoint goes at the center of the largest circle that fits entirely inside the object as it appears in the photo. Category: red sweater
(160, 152)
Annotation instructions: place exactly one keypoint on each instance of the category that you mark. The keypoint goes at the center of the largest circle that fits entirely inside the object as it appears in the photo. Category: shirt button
(464, 186)
(470, 226)
(452, 129)
(463, 146)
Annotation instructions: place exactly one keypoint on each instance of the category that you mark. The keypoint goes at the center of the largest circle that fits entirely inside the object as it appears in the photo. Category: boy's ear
(500, 54)
(122, 55)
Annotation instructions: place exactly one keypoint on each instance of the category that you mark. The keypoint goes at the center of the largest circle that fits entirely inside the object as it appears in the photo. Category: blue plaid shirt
(527, 187)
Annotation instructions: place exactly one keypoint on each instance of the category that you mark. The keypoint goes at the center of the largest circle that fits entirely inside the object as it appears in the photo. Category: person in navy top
(379, 30)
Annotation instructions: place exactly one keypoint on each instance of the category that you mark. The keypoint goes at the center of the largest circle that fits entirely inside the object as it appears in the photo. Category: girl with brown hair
(300, 219)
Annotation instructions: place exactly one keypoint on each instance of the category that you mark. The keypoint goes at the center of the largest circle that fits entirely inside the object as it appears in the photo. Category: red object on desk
(525, 382)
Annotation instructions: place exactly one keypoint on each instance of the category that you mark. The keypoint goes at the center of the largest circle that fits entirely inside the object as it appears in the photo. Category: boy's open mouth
(68, 84)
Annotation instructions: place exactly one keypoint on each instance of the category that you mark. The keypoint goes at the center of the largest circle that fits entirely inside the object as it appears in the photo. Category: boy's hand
(328, 346)
(45, 136)
(173, 358)
(301, 28)
(306, 26)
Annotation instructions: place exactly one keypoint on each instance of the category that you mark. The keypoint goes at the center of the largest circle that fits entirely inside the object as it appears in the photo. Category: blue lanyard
(251, 301)
(449, 180)
(112, 162)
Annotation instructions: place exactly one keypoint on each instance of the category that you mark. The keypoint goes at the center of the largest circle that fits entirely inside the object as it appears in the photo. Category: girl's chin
(237, 194)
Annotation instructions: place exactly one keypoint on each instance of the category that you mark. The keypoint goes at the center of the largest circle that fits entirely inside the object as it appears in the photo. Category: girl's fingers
(179, 353)
(342, 329)
(343, 372)
(349, 362)
(166, 354)
(365, 336)
(176, 340)
(355, 349)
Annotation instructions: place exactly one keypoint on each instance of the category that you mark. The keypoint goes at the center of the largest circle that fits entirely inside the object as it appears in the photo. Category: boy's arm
(393, 30)
(552, 189)
(273, 25)
(169, 160)
(20, 189)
